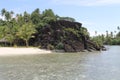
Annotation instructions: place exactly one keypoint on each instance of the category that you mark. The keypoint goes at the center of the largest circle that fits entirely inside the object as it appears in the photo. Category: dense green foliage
(25, 32)
(99, 40)
(112, 38)
(21, 29)
(17, 28)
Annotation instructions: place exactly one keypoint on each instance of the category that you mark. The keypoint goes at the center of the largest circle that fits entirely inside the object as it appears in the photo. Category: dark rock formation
(73, 46)
(64, 35)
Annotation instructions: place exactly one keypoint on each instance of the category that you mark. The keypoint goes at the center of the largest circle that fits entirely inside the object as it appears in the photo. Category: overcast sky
(95, 15)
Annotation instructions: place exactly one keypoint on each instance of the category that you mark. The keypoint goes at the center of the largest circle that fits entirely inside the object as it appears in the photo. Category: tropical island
(46, 30)
(59, 40)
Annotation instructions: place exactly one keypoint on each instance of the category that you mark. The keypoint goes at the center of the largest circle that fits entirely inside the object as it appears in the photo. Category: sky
(95, 15)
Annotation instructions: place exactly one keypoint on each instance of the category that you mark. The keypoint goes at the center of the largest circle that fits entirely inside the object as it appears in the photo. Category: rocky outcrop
(64, 35)
(73, 46)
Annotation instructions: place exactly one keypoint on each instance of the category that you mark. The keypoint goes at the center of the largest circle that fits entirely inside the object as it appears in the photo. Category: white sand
(10, 51)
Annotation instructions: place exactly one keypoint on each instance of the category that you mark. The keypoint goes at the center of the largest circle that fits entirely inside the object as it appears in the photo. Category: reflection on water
(75, 66)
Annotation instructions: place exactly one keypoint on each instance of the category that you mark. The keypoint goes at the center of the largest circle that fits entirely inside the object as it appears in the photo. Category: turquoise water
(62, 66)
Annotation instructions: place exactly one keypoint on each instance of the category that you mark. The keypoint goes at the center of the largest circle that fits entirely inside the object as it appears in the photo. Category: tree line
(20, 28)
(110, 38)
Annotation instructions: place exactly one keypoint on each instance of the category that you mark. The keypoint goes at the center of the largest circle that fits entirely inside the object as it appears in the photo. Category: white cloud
(87, 2)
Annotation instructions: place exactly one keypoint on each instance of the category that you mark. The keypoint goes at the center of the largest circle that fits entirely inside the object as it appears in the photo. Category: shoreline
(11, 51)
(16, 51)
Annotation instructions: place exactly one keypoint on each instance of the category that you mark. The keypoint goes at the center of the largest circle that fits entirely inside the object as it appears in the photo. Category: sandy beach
(11, 51)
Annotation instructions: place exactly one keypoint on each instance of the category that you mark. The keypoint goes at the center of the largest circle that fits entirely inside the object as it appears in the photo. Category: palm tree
(3, 33)
(111, 34)
(107, 35)
(118, 28)
(95, 33)
(36, 17)
(11, 13)
(7, 16)
(3, 11)
(20, 19)
(26, 17)
(26, 32)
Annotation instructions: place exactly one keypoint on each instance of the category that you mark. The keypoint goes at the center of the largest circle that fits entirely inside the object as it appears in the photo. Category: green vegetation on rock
(46, 30)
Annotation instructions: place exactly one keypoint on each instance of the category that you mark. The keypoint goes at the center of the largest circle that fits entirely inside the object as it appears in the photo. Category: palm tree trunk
(27, 44)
